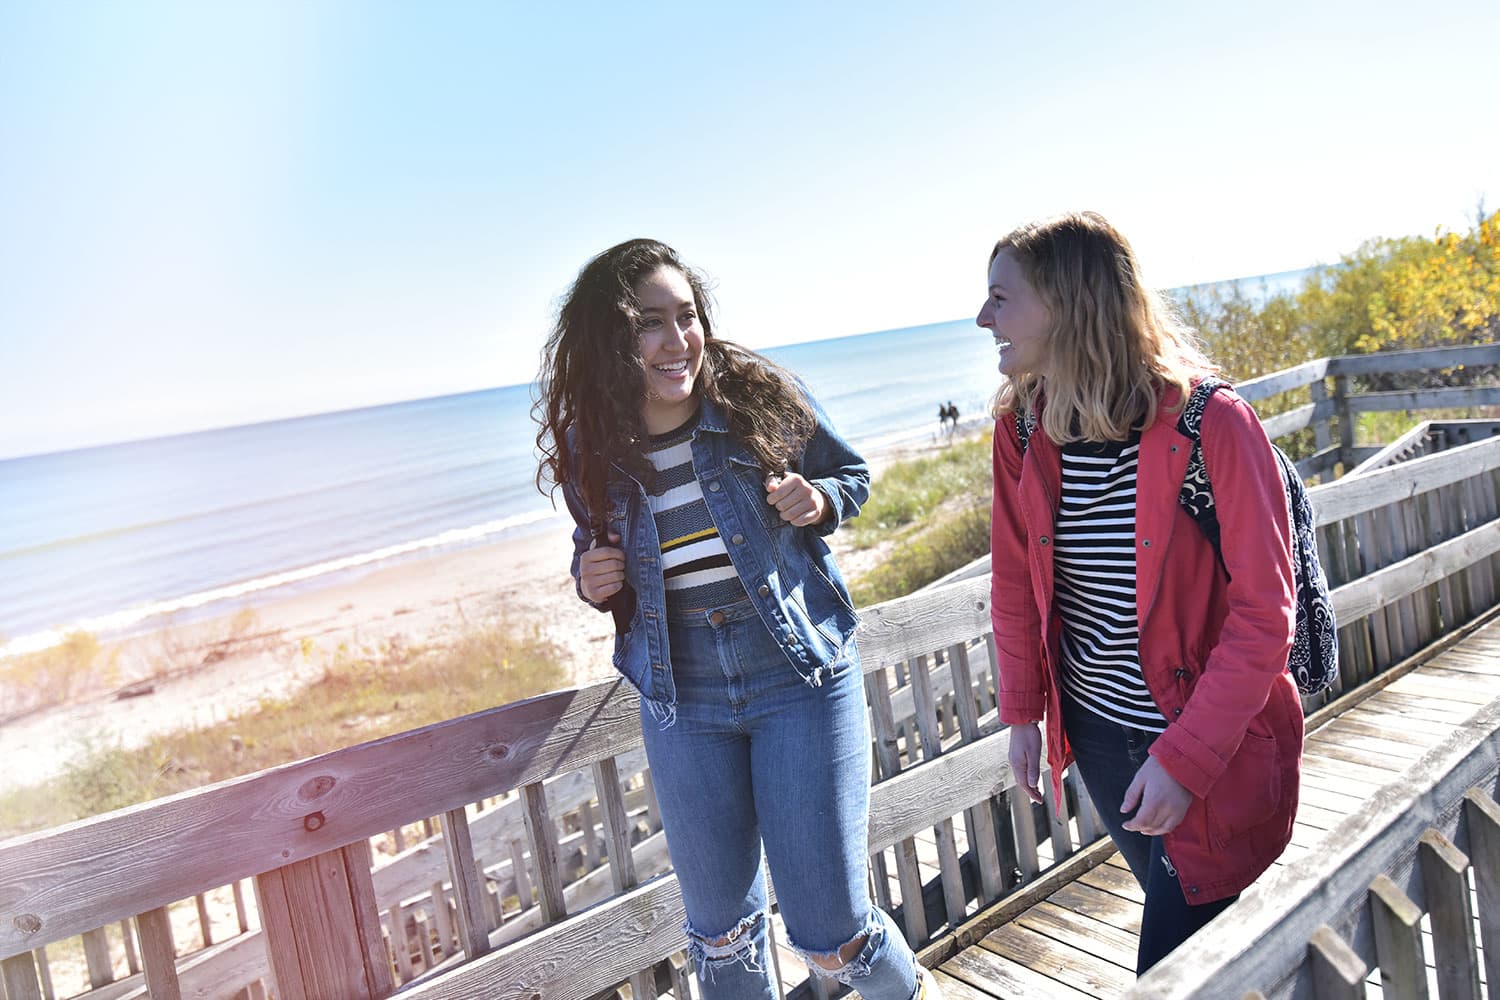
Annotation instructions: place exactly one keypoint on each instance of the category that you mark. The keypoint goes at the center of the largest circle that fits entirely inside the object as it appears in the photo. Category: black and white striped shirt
(1095, 581)
(695, 564)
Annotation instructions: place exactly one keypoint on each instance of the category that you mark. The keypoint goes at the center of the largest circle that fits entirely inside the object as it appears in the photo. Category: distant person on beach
(952, 416)
(1158, 668)
(702, 479)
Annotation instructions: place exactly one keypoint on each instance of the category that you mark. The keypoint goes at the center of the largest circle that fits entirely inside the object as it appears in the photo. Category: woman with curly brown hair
(702, 479)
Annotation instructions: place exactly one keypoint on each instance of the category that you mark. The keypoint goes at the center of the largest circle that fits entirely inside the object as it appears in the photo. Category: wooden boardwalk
(1080, 940)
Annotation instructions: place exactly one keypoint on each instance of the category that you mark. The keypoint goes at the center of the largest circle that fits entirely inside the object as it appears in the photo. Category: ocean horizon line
(460, 393)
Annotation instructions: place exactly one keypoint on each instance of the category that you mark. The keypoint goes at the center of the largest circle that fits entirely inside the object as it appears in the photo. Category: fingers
(795, 499)
(601, 572)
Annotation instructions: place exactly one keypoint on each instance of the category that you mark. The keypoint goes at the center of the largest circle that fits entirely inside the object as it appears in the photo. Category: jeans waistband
(721, 614)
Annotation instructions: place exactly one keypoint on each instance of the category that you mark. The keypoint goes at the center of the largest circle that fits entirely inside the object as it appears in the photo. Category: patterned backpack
(1314, 658)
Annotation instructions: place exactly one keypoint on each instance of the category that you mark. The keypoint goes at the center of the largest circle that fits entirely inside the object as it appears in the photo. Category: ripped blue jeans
(758, 756)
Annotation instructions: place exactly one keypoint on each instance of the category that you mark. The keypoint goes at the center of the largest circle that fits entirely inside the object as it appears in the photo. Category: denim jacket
(787, 571)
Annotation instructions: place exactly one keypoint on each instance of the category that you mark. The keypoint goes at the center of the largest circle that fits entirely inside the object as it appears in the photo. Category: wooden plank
(159, 954)
(400, 948)
(1267, 939)
(1084, 933)
(1119, 881)
(1306, 374)
(43, 973)
(616, 828)
(1398, 940)
(1453, 397)
(522, 875)
(492, 831)
(895, 631)
(1002, 977)
(96, 956)
(1482, 816)
(18, 972)
(1421, 359)
(132, 957)
(243, 826)
(626, 933)
(1447, 890)
(1337, 972)
(1373, 591)
(957, 989)
(949, 873)
(1055, 960)
(542, 835)
(1106, 907)
(979, 820)
(281, 935)
(357, 858)
(205, 922)
(1345, 498)
(328, 948)
(463, 872)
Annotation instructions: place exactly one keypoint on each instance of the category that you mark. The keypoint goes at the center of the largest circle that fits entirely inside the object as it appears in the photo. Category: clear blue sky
(212, 213)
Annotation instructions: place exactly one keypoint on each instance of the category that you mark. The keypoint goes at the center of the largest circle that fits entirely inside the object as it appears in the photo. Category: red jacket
(1213, 650)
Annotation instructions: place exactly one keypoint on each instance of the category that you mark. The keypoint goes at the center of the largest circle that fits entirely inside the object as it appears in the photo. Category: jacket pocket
(1247, 793)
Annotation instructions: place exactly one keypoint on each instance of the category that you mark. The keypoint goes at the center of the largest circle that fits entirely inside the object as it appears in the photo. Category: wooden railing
(1319, 926)
(524, 798)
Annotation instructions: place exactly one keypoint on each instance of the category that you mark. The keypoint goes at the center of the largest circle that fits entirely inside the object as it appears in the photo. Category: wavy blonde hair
(1115, 344)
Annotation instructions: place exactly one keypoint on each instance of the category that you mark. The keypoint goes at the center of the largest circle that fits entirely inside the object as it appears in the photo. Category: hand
(601, 570)
(798, 501)
(1026, 758)
(1163, 802)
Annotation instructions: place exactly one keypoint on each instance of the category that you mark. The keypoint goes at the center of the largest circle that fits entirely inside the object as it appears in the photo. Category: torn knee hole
(846, 954)
(711, 952)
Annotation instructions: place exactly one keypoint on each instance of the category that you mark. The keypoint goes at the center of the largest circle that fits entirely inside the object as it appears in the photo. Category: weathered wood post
(323, 934)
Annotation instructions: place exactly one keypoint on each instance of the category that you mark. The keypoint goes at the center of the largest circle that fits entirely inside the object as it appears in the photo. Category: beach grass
(362, 694)
(930, 516)
(910, 492)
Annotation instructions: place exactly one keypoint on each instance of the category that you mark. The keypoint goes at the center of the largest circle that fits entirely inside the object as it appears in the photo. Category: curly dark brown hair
(592, 381)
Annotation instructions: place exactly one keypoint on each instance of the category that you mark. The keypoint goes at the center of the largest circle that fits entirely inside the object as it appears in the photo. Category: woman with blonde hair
(1155, 654)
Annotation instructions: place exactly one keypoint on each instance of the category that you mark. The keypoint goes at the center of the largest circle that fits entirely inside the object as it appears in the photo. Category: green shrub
(952, 541)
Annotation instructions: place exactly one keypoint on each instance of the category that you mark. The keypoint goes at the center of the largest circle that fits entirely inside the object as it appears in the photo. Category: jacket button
(714, 486)
(1176, 711)
(1174, 449)
(1044, 540)
(763, 590)
(717, 618)
(1180, 672)
(1145, 543)
(737, 539)
(1193, 890)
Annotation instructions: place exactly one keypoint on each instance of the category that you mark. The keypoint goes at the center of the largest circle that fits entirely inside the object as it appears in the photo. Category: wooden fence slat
(1337, 972)
(281, 941)
(908, 875)
(358, 859)
(463, 871)
(616, 826)
(448, 937)
(1482, 815)
(543, 837)
(19, 975)
(205, 922)
(949, 872)
(159, 954)
(96, 957)
(621, 856)
(400, 948)
(44, 973)
(1447, 891)
(1398, 941)
(1023, 821)
(978, 820)
(240, 915)
(132, 957)
(521, 874)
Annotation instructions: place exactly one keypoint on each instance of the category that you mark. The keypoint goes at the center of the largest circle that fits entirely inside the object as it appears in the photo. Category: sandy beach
(181, 676)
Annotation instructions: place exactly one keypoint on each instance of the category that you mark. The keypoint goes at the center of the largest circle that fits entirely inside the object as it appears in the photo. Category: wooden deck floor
(1081, 940)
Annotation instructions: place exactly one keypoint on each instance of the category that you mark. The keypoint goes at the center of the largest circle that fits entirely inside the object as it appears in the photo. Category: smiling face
(1017, 318)
(670, 339)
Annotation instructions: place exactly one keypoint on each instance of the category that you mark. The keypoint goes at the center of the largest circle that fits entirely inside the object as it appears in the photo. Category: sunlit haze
(218, 213)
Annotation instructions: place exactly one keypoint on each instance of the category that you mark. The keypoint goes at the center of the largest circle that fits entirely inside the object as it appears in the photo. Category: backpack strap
(1196, 495)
